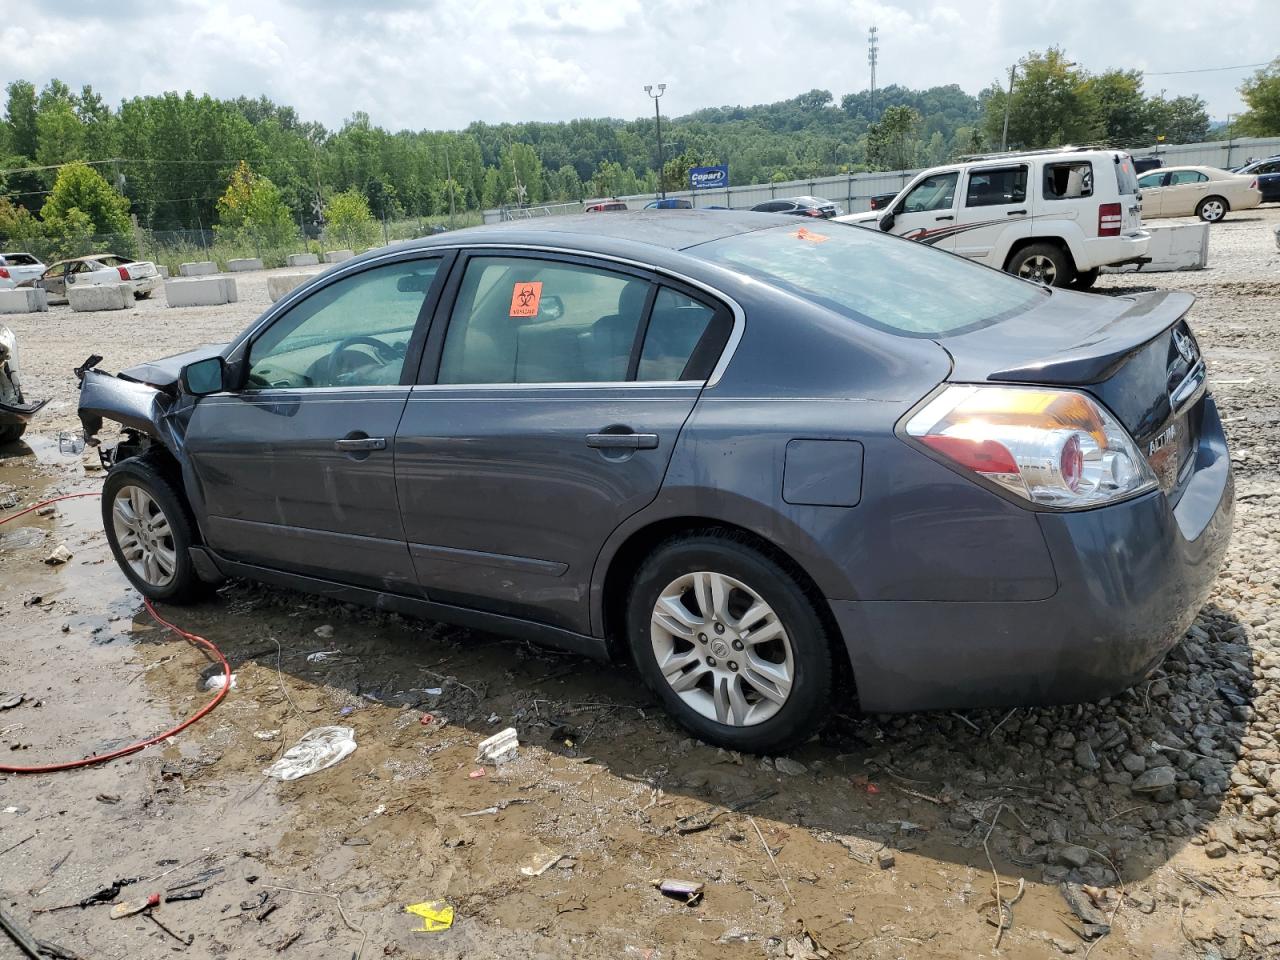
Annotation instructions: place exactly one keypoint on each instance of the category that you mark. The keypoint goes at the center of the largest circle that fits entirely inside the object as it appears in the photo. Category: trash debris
(436, 915)
(320, 656)
(426, 719)
(324, 631)
(9, 702)
(688, 891)
(496, 808)
(107, 798)
(185, 895)
(287, 942)
(347, 711)
(185, 941)
(792, 768)
(885, 859)
(266, 734)
(318, 749)
(499, 748)
(433, 691)
(218, 680)
(695, 822)
(59, 556)
(476, 774)
(127, 908)
(494, 718)
(1081, 904)
(540, 869)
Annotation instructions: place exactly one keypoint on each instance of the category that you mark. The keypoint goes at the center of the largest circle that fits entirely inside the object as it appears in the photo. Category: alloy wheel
(722, 648)
(1040, 269)
(144, 535)
(1212, 211)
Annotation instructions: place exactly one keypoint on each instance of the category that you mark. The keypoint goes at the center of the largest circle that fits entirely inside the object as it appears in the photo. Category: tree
(1262, 93)
(252, 211)
(20, 114)
(1180, 120)
(81, 188)
(1122, 109)
(1052, 105)
(891, 142)
(349, 222)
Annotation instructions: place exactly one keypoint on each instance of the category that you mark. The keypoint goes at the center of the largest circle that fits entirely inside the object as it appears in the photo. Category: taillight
(1110, 216)
(1058, 448)
(813, 213)
(4, 274)
(1253, 185)
(124, 273)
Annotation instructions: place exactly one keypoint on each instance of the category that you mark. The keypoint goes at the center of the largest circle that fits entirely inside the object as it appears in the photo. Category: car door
(552, 394)
(1186, 189)
(927, 212)
(54, 280)
(295, 468)
(1152, 186)
(997, 211)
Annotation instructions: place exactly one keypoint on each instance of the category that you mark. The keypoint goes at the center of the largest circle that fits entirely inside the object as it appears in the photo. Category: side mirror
(886, 222)
(204, 376)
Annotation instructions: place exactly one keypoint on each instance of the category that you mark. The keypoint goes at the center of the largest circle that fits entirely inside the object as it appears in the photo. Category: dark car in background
(800, 207)
(746, 454)
(669, 203)
(1268, 174)
(882, 201)
(1143, 165)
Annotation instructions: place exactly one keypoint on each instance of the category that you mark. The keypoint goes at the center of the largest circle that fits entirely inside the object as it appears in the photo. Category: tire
(1212, 209)
(706, 673)
(151, 551)
(142, 295)
(12, 432)
(1043, 263)
(1085, 279)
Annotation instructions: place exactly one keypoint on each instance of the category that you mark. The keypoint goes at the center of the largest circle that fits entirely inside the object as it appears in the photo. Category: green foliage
(1052, 105)
(1180, 120)
(80, 188)
(71, 234)
(349, 223)
(252, 213)
(892, 142)
(1262, 93)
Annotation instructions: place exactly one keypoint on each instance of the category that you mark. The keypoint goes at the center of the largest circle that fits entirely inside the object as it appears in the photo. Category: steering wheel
(335, 365)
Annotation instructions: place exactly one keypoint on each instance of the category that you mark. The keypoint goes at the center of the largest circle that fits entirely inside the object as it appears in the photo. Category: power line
(1170, 73)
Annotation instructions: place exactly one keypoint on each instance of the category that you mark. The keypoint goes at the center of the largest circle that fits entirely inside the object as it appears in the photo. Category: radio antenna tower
(873, 57)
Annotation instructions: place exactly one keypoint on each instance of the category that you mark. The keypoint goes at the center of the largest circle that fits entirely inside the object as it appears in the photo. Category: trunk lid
(141, 269)
(1134, 354)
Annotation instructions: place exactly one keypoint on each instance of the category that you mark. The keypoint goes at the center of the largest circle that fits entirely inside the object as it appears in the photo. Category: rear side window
(1068, 181)
(1126, 179)
(520, 320)
(1178, 177)
(885, 282)
(996, 186)
(684, 338)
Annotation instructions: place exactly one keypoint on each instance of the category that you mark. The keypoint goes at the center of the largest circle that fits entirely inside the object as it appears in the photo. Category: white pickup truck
(140, 276)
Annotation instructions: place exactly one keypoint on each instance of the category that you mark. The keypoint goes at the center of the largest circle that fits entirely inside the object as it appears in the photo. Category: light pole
(1004, 137)
(657, 116)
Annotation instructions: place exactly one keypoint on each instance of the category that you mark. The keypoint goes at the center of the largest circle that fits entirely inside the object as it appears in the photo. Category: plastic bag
(318, 749)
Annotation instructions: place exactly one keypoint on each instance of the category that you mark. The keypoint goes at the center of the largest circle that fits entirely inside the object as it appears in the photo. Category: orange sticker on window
(803, 234)
(525, 297)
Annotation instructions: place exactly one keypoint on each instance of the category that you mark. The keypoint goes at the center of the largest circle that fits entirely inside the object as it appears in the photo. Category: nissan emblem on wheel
(750, 454)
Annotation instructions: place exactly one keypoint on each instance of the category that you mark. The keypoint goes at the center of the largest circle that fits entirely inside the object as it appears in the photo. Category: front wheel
(150, 532)
(1042, 263)
(11, 432)
(730, 643)
(1212, 209)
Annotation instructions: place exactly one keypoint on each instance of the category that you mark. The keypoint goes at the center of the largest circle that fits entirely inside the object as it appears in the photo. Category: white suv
(1053, 216)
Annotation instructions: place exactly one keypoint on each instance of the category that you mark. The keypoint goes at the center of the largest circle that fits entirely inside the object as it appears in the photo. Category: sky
(440, 64)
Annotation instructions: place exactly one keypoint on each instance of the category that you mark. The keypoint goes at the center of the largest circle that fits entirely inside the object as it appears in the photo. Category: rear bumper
(1131, 578)
(146, 284)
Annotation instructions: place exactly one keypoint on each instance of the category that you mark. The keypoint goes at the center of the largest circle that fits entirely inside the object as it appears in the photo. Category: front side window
(1068, 181)
(936, 192)
(997, 186)
(1182, 177)
(354, 332)
(519, 320)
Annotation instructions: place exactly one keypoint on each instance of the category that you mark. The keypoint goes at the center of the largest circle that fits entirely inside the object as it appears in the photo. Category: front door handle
(944, 218)
(1014, 213)
(360, 443)
(623, 441)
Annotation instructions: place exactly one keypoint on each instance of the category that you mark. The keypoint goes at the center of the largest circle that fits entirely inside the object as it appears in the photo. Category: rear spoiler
(1107, 350)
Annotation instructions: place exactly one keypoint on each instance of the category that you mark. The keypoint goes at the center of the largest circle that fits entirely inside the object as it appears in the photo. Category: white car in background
(140, 276)
(1052, 216)
(1204, 192)
(16, 268)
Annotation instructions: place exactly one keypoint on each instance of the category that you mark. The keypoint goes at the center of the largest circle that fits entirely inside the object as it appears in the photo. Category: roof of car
(1200, 168)
(87, 256)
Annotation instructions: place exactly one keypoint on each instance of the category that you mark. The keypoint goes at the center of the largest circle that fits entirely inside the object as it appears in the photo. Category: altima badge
(1186, 346)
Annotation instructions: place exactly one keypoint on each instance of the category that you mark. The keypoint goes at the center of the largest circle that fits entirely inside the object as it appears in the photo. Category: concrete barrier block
(162, 270)
(337, 256)
(301, 260)
(282, 283)
(100, 296)
(200, 291)
(1174, 246)
(240, 266)
(198, 268)
(24, 300)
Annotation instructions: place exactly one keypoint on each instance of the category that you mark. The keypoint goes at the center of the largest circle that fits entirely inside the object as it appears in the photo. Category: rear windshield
(900, 286)
(1126, 179)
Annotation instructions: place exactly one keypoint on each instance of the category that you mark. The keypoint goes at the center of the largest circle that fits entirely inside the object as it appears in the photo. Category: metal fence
(854, 191)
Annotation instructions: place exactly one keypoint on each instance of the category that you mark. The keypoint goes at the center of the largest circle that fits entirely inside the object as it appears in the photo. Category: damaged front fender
(135, 406)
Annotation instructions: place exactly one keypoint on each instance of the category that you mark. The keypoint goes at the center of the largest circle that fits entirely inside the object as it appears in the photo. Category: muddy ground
(877, 839)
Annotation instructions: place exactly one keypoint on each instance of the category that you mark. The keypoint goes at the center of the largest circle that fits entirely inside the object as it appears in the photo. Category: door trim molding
(480, 558)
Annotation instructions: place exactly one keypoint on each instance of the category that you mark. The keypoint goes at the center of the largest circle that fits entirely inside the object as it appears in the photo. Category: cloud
(432, 65)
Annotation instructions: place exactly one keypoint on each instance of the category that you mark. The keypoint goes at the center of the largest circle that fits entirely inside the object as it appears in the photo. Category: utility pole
(1004, 137)
(873, 57)
(657, 116)
(448, 174)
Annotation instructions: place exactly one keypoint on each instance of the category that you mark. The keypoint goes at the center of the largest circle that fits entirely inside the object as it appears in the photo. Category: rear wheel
(1212, 209)
(731, 644)
(150, 531)
(11, 432)
(1085, 279)
(1042, 263)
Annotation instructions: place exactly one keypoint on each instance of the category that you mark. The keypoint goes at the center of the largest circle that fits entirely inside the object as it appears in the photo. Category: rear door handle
(1014, 213)
(623, 441)
(360, 443)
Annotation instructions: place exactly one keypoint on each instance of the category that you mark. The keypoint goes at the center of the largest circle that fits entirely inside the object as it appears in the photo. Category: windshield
(892, 284)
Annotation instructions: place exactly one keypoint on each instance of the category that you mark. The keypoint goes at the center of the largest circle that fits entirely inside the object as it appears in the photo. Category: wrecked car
(140, 276)
(15, 411)
(775, 465)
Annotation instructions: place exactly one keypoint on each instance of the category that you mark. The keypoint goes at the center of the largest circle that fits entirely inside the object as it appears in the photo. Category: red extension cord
(141, 744)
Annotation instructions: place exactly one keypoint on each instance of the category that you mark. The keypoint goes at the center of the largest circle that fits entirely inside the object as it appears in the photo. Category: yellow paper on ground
(436, 915)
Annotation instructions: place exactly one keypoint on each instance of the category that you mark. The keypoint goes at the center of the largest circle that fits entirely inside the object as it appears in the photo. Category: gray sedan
(749, 455)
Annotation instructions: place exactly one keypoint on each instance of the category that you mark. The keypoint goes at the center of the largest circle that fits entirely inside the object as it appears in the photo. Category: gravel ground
(1156, 813)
